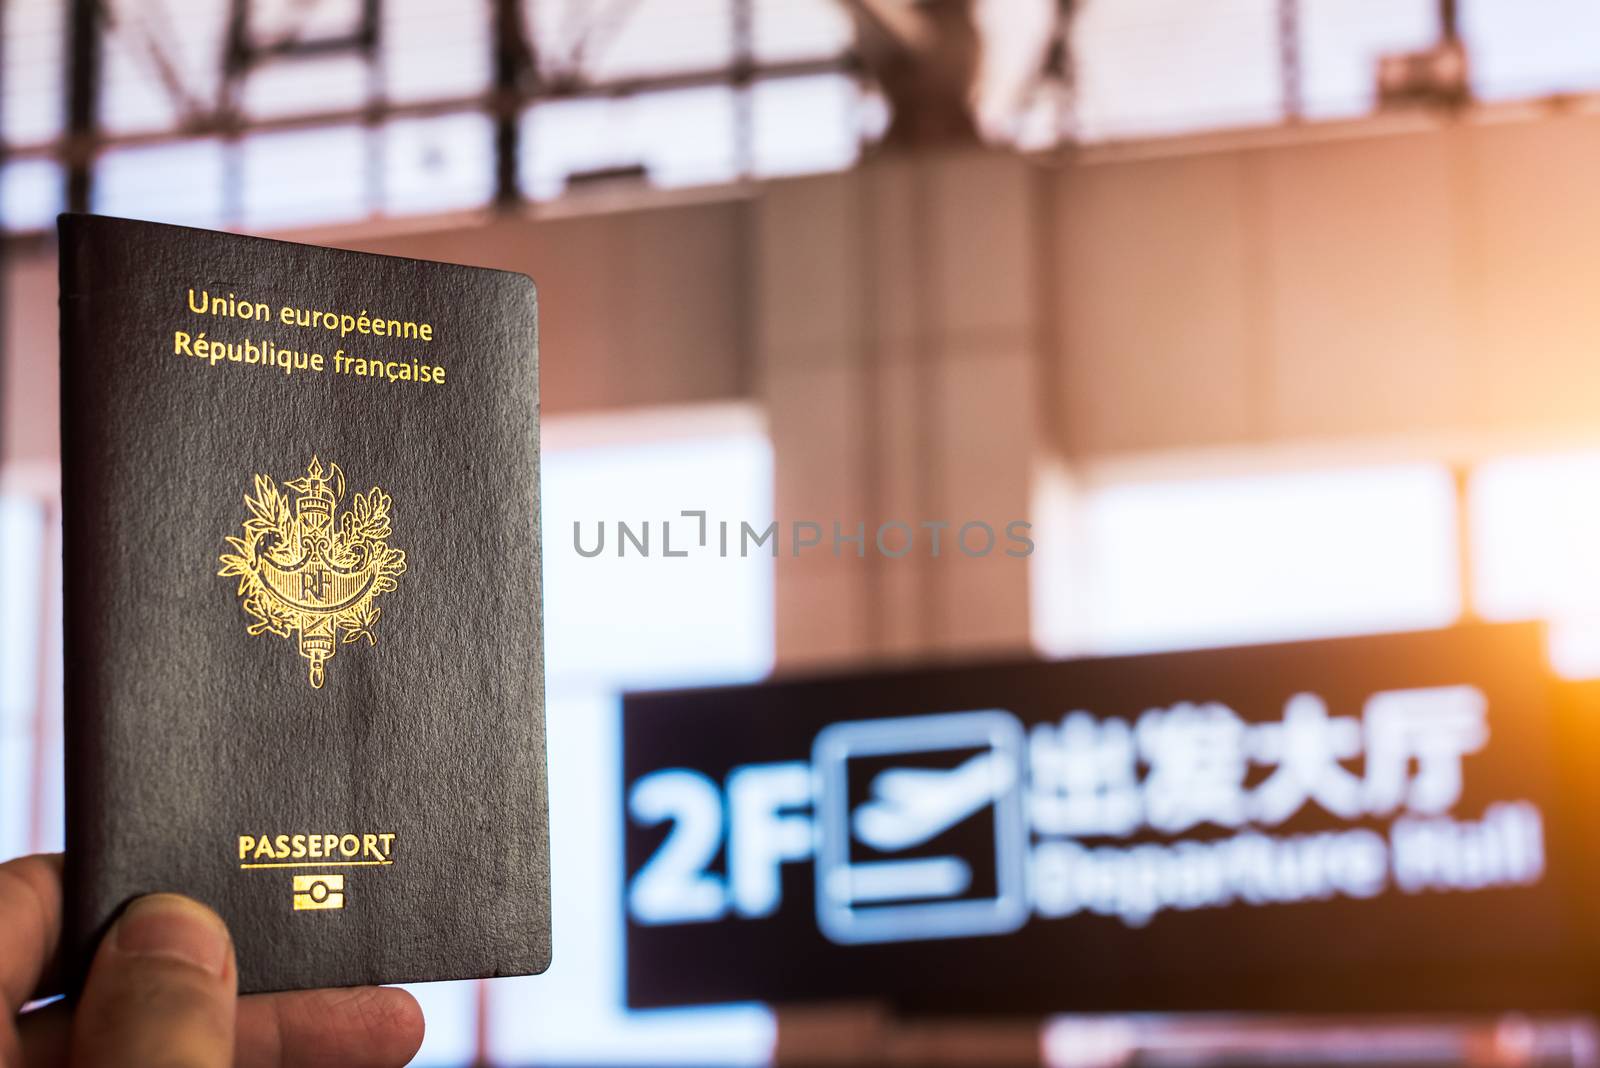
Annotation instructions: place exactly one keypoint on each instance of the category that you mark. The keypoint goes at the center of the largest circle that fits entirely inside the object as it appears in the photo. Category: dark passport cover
(304, 650)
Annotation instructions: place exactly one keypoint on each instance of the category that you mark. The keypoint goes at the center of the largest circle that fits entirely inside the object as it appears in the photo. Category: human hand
(163, 991)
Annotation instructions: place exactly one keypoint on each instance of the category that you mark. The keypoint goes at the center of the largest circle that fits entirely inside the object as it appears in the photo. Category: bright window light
(1536, 529)
(805, 125)
(330, 83)
(653, 37)
(787, 30)
(437, 164)
(177, 182)
(1142, 566)
(451, 1013)
(635, 622)
(31, 193)
(1522, 48)
(21, 549)
(680, 137)
(32, 51)
(1536, 524)
(1340, 42)
(1149, 67)
(434, 51)
(281, 190)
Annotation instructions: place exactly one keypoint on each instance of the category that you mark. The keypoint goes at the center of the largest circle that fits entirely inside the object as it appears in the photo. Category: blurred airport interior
(1271, 320)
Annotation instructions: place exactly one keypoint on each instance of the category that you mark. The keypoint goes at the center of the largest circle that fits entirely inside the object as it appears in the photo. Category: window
(1147, 67)
(1141, 566)
(646, 85)
(1340, 42)
(1522, 48)
(1536, 531)
(32, 71)
(177, 181)
(31, 192)
(617, 623)
(22, 552)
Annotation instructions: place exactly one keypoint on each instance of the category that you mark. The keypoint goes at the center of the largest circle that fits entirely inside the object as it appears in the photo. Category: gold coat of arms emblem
(310, 571)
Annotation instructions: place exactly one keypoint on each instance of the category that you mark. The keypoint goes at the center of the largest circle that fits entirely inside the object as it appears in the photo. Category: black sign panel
(1392, 823)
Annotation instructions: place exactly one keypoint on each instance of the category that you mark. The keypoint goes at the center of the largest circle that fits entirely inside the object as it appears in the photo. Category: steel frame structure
(518, 79)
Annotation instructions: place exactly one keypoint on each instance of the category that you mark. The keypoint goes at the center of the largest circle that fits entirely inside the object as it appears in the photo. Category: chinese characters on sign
(1086, 780)
(1180, 768)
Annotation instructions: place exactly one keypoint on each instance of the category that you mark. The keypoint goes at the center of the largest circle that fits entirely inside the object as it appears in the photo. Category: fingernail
(173, 928)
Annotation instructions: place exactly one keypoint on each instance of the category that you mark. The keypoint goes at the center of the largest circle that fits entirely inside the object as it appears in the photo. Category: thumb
(160, 991)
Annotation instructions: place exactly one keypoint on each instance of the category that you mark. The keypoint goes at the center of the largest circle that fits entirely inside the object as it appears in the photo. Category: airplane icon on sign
(912, 805)
(888, 890)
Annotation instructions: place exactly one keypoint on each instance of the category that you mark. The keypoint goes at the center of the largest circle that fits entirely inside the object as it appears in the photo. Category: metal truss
(524, 71)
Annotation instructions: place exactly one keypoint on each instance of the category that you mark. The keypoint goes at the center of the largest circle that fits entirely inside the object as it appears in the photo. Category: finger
(45, 1034)
(160, 990)
(30, 903)
(362, 1027)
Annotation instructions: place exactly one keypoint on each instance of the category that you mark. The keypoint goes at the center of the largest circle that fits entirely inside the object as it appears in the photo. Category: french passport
(304, 646)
